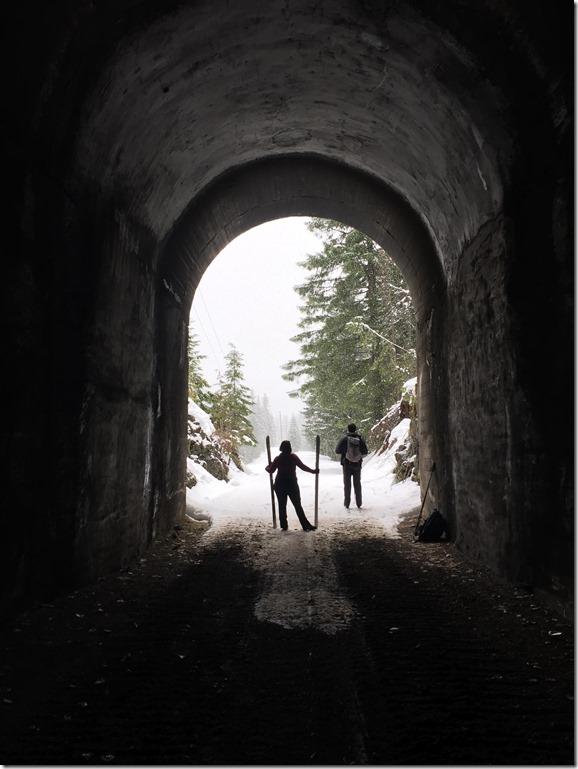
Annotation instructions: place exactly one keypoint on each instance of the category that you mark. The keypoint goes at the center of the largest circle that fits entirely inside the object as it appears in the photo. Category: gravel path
(248, 645)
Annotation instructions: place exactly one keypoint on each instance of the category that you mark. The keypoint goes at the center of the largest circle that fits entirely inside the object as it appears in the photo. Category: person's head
(351, 428)
(285, 447)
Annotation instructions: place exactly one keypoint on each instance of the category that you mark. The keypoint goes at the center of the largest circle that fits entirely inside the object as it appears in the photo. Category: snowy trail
(300, 585)
(247, 495)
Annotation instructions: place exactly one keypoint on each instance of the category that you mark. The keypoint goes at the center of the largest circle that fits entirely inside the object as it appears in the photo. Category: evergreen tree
(282, 427)
(295, 434)
(263, 425)
(231, 408)
(267, 421)
(198, 387)
(357, 334)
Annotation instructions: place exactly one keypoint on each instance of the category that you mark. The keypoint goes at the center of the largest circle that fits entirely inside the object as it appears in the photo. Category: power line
(210, 320)
(215, 356)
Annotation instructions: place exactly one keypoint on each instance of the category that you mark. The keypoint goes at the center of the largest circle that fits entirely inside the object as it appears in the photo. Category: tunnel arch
(309, 186)
(124, 114)
(300, 186)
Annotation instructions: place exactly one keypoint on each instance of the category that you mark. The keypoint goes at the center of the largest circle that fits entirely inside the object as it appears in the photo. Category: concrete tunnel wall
(140, 140)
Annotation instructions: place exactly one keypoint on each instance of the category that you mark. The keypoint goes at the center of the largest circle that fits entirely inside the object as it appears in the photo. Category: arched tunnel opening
(298, 328)
(143, 140)
(315, 185)
(301, 299)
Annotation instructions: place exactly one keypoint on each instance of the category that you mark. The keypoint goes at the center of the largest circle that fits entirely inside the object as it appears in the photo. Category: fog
(246, 298)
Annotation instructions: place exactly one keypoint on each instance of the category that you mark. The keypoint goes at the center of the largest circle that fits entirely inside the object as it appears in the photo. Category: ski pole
(268, 442)
(317, 442)
(433, 467)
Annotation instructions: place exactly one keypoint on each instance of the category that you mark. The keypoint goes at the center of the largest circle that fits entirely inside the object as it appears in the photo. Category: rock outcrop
(204, 447)
(407, 455)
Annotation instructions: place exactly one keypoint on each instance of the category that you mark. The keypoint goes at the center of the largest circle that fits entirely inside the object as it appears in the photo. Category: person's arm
(300, 464)
(363, 447)
(272, 467)
(340, 448)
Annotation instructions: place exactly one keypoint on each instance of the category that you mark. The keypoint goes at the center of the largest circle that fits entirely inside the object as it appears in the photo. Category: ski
(317, 442)
(268, 442)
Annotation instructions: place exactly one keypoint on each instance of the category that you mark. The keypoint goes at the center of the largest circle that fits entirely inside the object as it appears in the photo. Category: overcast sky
(246, 298)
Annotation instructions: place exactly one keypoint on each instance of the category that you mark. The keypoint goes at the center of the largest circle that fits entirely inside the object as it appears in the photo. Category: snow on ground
(247, 495)
(300, 585)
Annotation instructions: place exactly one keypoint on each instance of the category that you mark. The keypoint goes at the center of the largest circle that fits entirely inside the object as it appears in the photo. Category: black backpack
(433, 528)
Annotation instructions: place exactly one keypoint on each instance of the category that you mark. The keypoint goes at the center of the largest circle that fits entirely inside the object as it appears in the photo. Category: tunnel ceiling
(211, 87)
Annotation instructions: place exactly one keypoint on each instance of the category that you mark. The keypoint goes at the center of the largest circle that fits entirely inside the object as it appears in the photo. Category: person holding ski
(352, 448)
(286, 485)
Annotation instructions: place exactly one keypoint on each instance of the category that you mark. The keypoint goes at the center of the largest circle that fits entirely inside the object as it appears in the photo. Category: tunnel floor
(408, 655)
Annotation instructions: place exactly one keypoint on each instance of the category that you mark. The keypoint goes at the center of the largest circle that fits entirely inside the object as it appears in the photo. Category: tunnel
(141, 138)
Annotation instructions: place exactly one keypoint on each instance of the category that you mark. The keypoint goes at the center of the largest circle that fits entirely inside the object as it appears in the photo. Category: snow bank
(202, 417)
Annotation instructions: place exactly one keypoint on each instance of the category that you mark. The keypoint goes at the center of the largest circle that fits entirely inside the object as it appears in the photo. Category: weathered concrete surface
(141, 139)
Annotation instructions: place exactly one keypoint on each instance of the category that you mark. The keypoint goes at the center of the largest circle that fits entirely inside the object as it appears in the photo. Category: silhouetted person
(352, 448)
(286, 464)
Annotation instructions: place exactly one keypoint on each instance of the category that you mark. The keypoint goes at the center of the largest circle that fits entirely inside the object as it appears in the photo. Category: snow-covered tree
(357, 333)
(231, 408)
(198, 387)
(266, 420)
(263, 423)
(295, 433)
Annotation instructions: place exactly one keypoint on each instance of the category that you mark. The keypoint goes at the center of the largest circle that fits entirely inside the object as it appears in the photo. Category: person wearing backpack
(352, 448)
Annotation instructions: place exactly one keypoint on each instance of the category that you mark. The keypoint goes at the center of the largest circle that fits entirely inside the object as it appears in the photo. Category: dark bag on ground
(433, 528)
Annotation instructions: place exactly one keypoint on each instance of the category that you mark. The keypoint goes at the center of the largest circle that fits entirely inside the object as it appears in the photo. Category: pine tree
(262, 421)
(357, 334)
(267, 421)
(295, 434)
(231, 408)
(198, 387)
